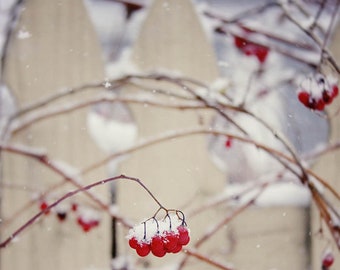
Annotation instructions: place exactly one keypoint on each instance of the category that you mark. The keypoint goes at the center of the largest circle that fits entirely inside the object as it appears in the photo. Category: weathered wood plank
(60, 51)
(179, 171)
(328, 168)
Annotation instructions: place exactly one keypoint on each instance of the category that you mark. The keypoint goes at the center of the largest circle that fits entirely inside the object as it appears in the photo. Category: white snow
(88, 214)
(7, 107)
(111, 135)
(315, 84)
(23, 34)
(276, 194)
(122, 66)
(145, 231)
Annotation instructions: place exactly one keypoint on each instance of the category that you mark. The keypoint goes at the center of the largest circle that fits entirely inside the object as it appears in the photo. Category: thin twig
(4, 243)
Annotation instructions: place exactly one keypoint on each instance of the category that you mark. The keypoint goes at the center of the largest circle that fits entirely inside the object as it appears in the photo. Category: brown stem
(204, 258)
(4, 243)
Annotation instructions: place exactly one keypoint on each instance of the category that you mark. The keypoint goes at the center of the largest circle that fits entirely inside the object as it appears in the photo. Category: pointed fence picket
(61, 51)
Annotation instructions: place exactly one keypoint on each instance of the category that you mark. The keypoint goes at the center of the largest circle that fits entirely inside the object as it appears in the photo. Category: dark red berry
(133, 242)
(327, 260)
(143, 249)
(184, 237)
(327, 97)
(61, 215)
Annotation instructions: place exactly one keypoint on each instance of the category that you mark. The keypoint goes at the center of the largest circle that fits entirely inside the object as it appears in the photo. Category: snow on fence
(162, 136)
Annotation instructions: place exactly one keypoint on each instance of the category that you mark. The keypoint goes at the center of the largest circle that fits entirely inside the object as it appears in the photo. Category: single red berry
(170, 240)
(328, 260)
(133, 242)
(61, 215)
(143, 249)
(157, 243)
(157, 246)
(177, 249)
(240, 42)
(184, 237)
(319, 105)
(228, 142)
(43, 206)
(327, 97)
(261, 53)
(74, 207)
(304, 97)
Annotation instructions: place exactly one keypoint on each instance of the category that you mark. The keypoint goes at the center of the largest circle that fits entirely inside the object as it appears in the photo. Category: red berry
(177, 249)
(87, 225)
(143, 249)
(74, 207)
(328, 260)
(304, 97)
(240, 42)
(228, 142)
(157, 248)
(43, 206)
(170, 240)
(319, 105)
(261, 53)
(184, 237)
(327, 97)
(133, 242)
(157, 243)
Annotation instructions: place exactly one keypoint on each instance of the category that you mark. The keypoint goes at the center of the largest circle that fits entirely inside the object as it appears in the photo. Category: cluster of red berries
(251, 49)
(87, 219)
(316, 92)
(159, 236)
(87, 223)
(327, 260)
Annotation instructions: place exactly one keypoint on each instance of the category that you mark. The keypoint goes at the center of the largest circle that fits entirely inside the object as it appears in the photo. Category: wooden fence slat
(60, 51)
(179, 171)
(328, 168)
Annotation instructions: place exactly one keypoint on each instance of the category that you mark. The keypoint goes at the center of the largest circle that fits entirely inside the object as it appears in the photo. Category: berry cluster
(316, 92)
(87, 219)
(160, 237)
(251, 49)
(88, 222)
